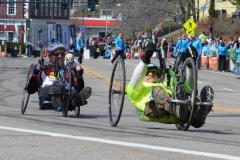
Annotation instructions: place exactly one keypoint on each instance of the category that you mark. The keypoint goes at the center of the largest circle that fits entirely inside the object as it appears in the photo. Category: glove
(150, 48)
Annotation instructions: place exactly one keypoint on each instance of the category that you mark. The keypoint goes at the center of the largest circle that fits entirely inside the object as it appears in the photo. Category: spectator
(182, 47)
(197, 44)
(29, 49)
(222, 51)
(165, 48)
(203, 39)
(80, 46)
(210, 29)
(232, 55)
(171, 47)
(108, 52)
(120, 47)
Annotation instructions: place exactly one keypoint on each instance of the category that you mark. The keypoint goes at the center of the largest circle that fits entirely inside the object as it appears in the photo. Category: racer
(44, 81)
(152, 97)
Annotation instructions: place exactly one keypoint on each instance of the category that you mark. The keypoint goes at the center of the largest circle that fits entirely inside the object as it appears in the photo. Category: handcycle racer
(152, 97)
(48, 86)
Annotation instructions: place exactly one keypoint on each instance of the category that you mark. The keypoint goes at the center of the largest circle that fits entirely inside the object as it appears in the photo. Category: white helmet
(55, 46)
(69, 57)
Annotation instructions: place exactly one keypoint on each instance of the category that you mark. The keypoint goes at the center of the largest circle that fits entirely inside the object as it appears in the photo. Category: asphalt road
(47, 135)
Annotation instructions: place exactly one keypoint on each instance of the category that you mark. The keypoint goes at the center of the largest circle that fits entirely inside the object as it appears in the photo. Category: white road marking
(228, 89)
(224, 73)
(199, 82)
(128, 144)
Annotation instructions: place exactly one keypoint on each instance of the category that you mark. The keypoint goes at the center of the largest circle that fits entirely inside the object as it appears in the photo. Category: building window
(10, 36)
(106, 12)
(11, 7)
(46, 9)
(65, 12)
(51, 9)
(59, 12)
(55, 9)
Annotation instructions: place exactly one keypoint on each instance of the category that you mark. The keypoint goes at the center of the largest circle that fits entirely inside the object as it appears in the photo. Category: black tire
(26, 95)
(189, 63)
(67, 81)
(116, 92)
(77, 111)
(162, 68)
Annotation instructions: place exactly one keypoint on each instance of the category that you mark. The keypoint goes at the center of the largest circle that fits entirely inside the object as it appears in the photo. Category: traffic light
(37, 4)
(28, 23)
(39, 31)
(89, 6)
(63, 4)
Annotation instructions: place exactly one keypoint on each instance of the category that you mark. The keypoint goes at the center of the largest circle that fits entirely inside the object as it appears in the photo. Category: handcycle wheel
(116, 92)
(77, 111)
(187, 70)
(67, 83)
(26, 95)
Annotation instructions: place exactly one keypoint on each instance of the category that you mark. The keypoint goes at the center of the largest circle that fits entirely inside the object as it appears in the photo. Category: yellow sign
(190, 32)
(190, 25)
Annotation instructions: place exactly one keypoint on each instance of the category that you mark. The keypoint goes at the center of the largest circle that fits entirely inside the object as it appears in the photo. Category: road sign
(190, 25)
(190, 32)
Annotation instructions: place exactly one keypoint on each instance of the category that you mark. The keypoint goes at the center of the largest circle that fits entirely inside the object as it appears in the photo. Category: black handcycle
(63, 74)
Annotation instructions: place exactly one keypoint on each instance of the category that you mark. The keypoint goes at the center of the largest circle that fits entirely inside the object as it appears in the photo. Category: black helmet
(153, 67)
(55, 46)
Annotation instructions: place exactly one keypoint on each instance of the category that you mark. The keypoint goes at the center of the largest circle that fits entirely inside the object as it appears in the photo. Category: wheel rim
(24, 98)
(117, 92)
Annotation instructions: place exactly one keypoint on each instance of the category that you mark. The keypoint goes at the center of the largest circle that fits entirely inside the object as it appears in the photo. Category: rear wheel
(116, 92)
(67, 83)
(77, 111)
(188, 76)
(26, 95)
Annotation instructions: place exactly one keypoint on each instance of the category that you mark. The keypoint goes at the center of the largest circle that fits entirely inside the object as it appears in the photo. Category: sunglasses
(57, 53)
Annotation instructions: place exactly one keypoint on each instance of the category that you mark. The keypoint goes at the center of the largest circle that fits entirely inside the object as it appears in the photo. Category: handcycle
(182, 85)
(63, 74)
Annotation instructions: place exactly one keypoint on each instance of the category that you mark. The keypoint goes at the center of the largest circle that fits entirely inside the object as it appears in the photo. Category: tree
(235, 2)
(212, 12)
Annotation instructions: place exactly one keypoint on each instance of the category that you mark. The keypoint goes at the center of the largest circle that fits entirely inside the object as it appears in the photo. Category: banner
(59, 33)
(50, 32)
(73, 33)
(83, 31)
(65, 36)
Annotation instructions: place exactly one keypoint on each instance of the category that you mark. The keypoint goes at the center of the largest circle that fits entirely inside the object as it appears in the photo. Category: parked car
(99, 40)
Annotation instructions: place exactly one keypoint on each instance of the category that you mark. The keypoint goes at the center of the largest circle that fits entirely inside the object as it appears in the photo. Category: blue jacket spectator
(182, 45)
(222, 52)
(119, 44)
(108, 53)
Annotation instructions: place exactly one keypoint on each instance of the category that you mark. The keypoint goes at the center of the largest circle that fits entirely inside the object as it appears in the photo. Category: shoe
(82, 96)
(56, 91)
(59, 109)
(150, 110)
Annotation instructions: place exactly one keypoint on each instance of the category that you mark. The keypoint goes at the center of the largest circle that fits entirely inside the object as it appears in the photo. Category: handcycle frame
(63, 76)
(175, 83)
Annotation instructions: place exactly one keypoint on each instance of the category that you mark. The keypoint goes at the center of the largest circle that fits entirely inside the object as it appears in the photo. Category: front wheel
(188, 76)
(116, 92)
(67, 83)
(26, 95)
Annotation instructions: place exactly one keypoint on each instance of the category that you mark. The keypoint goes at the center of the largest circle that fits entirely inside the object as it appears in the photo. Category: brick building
(12, 21)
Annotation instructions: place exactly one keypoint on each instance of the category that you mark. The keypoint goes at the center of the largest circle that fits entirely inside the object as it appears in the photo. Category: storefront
(12, 30)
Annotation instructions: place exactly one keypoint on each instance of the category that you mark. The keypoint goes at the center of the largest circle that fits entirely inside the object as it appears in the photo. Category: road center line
(120, 143)
(228, 89)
